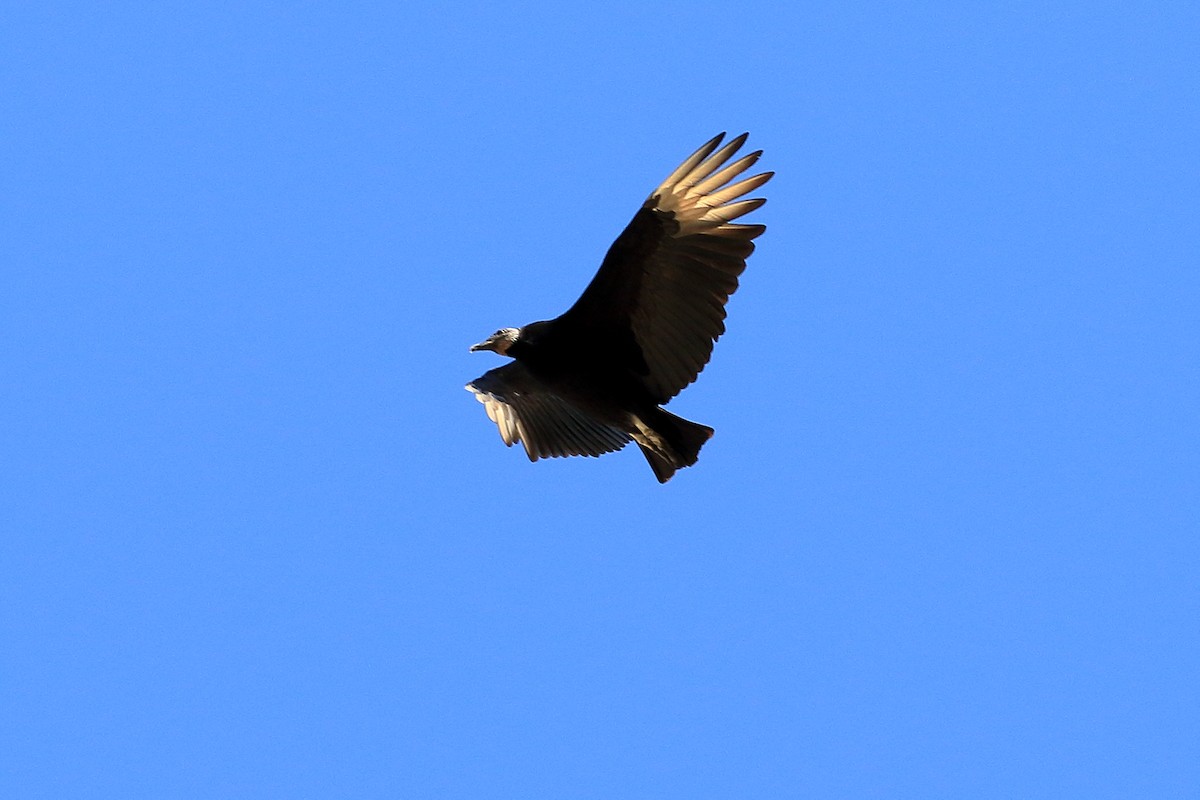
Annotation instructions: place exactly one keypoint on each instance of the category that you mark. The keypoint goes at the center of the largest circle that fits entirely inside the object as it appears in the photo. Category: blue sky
(258, 541)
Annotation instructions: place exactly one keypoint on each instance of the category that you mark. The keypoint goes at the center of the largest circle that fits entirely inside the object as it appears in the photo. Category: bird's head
(499, 342)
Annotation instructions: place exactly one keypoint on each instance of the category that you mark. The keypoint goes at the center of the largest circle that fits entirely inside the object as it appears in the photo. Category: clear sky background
(258, 542)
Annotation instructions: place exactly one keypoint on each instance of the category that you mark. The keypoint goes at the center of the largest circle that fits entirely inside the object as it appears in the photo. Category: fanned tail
(670, 443)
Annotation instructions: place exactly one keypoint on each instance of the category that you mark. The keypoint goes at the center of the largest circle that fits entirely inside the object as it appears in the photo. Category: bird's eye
(498, 333)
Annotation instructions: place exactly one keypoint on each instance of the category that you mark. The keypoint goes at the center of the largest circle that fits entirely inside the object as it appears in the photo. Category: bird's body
(594, 378)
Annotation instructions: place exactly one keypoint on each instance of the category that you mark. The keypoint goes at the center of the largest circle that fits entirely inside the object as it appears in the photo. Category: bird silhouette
(592, 379)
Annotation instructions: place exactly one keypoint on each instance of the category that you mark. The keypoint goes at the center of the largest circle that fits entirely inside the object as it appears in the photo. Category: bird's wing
(548, 426)
(668, 275)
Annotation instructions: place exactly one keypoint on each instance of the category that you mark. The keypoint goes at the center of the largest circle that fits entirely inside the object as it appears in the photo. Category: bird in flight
(590, 380)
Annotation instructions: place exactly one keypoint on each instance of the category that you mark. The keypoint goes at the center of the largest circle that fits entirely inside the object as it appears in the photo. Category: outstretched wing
(544, 423)
(668, 275)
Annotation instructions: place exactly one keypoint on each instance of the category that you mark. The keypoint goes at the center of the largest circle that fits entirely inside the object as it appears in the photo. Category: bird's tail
(669, 442)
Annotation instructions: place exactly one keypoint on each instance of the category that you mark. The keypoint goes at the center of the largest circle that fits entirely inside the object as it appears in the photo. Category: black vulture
(588, 381)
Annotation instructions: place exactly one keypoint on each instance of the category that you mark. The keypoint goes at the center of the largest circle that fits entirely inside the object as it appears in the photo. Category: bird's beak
(486, 344)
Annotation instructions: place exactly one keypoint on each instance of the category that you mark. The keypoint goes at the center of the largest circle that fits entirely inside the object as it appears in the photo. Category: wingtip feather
(692, 161)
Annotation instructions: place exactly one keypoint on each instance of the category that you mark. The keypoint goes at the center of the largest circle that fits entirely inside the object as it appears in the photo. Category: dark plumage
(588, 381)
